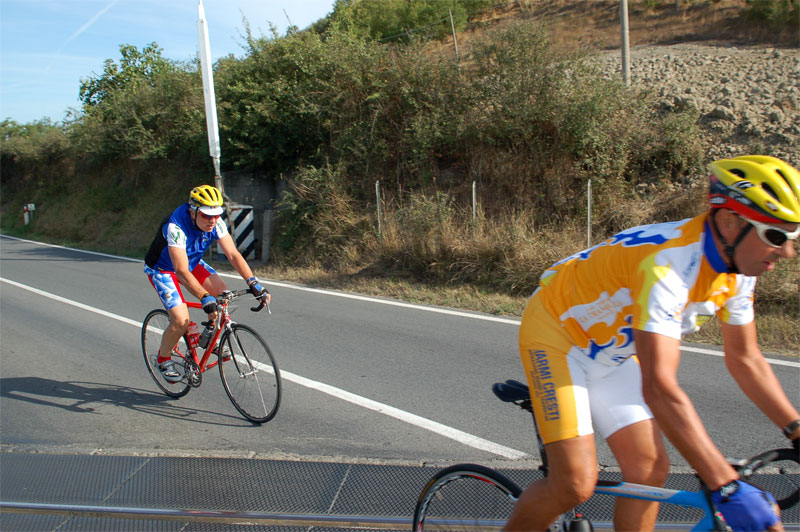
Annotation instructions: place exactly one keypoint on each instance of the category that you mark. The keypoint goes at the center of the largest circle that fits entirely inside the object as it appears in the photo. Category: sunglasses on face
(208, 216)
(772, 236)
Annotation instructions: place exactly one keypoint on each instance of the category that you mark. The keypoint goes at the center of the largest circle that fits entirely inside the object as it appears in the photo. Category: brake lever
(261, 306)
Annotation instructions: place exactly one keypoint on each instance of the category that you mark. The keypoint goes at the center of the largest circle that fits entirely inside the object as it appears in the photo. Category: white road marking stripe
(449, 312)
(776, 362)
(392, 303)
(690, 349)
(412, 419)
(70, 302)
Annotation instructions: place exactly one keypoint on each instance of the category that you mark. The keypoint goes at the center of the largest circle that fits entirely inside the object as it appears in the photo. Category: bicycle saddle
(511, 391)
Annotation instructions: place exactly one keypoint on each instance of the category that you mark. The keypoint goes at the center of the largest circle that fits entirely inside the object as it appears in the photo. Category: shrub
(777, 14)
(146, 107)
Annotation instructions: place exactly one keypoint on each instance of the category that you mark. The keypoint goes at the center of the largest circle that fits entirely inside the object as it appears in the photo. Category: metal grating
(60, 479)
(251, 485)
(233, 484)
(381, 491)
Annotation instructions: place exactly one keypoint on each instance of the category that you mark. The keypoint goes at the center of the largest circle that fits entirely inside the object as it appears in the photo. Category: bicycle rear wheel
(249, 374)
(153, 328)
(465, 497)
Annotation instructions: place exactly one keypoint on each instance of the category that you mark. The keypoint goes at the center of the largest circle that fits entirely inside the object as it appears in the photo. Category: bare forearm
(190, 282)
(757, 380)
(681, 424)
(659, 357)
(754, 374)
(240, 265)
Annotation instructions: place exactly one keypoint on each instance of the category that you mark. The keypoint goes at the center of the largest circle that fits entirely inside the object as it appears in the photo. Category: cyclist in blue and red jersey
(600, 344)
(176, 258)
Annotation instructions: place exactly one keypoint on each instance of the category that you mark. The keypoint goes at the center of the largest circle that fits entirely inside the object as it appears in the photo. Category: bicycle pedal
(579, 523)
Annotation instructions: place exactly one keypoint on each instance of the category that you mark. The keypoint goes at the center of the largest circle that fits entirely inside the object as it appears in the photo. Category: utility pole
(626, 48)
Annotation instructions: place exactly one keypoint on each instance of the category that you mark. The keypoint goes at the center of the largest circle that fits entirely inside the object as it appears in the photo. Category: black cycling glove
(209, 303)
(257, 290)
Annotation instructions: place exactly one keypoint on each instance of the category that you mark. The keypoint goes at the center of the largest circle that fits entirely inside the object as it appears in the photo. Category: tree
(136, 68)
(144, 107)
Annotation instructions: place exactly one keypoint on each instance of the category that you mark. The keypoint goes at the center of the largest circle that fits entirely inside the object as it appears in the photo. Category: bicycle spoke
(466, 497)
(153, 328)
(250, 376)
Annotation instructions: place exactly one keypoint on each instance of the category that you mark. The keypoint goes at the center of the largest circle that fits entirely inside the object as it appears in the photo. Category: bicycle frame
(223, 322)
(692, 499)
(517, 393)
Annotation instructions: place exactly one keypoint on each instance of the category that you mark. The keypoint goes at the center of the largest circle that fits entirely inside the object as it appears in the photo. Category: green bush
(146, 107)
(778, 14)
(402, 20)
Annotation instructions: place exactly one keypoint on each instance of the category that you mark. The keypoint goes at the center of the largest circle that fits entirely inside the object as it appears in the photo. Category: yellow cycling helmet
(206, 199)
(758, 187)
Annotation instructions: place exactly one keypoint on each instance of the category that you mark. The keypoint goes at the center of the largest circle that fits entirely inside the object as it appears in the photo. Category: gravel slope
(748, 97)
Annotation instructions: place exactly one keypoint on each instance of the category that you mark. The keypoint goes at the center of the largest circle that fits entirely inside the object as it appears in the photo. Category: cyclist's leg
(571, 479)
(623, 418)
(178, 323)
(209, 278)
(168, 289)
(561, 405)
(641, 455)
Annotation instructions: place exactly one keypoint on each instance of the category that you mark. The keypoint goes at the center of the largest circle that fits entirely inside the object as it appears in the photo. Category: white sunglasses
(772, 236)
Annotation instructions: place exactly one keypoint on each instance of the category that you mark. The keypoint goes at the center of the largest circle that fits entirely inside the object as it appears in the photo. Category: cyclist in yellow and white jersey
(600, 343)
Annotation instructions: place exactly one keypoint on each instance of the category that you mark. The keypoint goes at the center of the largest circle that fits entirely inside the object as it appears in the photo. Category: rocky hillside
(748, 96)
(742, 77)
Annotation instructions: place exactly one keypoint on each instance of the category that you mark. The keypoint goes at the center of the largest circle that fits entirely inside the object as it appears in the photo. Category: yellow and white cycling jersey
(665, 278)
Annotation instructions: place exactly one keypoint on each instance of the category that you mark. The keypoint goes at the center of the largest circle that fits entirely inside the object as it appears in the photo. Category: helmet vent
(738, 172)
(780, 173)
(769, 190)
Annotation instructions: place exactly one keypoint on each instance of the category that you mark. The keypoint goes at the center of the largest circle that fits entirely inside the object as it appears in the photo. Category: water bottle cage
(205, 336)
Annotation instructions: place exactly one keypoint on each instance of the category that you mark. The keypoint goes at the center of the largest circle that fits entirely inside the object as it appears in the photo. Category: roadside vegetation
(521, 119)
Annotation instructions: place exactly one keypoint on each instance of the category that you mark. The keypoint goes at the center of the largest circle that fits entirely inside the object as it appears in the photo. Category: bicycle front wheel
(153, 327)
(466, 497)
(249, 374)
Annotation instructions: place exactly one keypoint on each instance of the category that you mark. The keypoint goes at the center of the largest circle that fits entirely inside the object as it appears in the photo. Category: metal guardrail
(208, 516)
(257, 518)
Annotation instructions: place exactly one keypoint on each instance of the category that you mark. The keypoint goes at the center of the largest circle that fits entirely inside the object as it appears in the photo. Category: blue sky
(48, 46)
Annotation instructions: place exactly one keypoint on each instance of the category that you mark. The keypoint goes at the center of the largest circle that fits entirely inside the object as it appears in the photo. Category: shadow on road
(86, 397)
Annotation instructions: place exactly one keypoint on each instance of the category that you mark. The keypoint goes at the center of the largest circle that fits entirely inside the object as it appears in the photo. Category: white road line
(396, 303)
(412, 419)
(71, 302)
(776, 362)
(448, 312)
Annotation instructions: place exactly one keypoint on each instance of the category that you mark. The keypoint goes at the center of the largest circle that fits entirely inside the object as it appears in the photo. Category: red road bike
(247, 367)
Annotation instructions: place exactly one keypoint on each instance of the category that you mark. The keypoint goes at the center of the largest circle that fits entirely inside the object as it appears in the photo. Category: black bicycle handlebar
(761, 460)
(230, 295)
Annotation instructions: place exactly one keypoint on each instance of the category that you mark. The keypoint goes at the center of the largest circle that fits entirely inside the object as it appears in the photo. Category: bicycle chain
(193, 374)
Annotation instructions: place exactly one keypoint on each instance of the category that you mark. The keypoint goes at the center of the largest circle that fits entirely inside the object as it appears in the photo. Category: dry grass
(779, 332)
(433, 253)
(595, 24)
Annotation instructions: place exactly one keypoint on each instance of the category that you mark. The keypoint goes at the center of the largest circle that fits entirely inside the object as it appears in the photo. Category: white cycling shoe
(168, 371)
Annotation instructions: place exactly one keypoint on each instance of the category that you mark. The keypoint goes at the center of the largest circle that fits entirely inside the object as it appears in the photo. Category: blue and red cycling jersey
(179, 230)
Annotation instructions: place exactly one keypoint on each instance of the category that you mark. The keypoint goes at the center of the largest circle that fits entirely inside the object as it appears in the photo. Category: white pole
(453, 28)
(589, 214)
(208, 93)
(474, 202)
(378, 203)
(626, 48)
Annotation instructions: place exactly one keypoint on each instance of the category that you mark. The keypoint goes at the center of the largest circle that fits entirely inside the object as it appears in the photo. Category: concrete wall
(261, 192)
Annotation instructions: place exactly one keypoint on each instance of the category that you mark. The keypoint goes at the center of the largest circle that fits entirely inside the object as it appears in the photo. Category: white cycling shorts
(570, 392)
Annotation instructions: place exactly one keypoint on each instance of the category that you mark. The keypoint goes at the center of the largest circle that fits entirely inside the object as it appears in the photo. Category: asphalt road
(365, 379)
